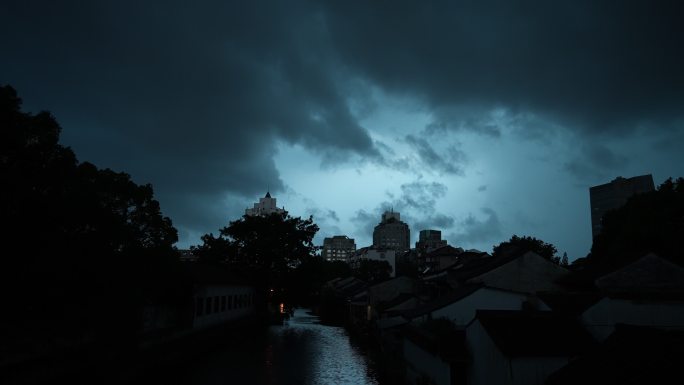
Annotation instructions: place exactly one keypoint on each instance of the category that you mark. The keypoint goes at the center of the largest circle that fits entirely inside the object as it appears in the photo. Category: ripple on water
(332, 358)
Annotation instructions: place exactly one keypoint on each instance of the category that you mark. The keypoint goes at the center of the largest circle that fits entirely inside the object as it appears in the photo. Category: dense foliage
(266, 247)
(81, 244)
(522, 244)
(373, 271)
(650, 222)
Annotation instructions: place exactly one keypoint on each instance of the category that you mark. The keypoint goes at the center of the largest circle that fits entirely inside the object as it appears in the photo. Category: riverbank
(121, 362)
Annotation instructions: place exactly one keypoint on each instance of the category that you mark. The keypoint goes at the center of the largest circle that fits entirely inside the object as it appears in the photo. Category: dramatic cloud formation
(215, 102)
(478, 230)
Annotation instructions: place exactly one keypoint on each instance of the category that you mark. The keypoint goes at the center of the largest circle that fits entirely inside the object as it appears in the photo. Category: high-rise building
(338, 248)
(614, 195)
(266, 206)
(429, 240)
(391, 233)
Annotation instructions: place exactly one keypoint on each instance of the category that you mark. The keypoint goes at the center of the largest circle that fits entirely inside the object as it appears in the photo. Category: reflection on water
(301, 351)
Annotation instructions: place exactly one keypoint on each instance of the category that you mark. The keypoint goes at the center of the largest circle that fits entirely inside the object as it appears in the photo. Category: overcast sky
(482, 119)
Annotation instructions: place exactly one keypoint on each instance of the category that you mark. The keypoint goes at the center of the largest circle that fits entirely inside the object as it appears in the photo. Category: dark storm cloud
(450, 163)
(194, 98)
(601, 66)
(474, 230)
(595, 162)
(190, 98)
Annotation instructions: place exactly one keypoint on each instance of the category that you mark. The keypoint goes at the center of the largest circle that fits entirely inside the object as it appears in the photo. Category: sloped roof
(478, 266)
(350, 287)
(631, 355)
(649, 273)
(448, 344)
(399, 299)
(390, 322)
(446, 250)
(534, 333)
(443, 301)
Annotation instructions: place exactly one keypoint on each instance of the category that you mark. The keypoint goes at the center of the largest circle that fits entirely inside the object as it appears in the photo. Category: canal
(299, 352)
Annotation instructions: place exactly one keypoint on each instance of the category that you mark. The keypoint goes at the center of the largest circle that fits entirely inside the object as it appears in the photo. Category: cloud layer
(194, 98)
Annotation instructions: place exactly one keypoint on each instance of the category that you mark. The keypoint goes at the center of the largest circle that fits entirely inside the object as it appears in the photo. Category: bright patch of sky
(500, 185)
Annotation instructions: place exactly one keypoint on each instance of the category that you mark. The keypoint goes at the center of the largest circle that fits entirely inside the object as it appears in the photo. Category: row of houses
(215, 298)
(517, 319)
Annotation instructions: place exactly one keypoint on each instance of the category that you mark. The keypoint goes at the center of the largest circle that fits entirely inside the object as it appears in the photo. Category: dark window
(207, 306)
(235, 301)
(216, 304)
(230, 302)
(223, 303)
(199, 306)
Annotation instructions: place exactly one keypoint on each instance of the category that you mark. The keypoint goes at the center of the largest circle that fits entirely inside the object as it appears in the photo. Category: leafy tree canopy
(525, 243)
(372, 271)
(69, 225)
(649, 222)
(268, 246)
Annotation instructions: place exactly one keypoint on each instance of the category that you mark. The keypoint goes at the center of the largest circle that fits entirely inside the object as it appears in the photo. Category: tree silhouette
(82, 245)
(525, 243)
(371, 271)
(649, 222)
(267, 247)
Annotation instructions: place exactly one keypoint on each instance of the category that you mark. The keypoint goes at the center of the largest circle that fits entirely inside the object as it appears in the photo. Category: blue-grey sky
(482, 119)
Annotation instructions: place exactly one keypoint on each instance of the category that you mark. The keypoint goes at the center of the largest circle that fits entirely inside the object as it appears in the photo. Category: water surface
(301, 351)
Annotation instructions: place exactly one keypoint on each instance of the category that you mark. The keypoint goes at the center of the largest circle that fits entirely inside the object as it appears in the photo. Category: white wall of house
(600, 319)
(216, 304)
(529, 273)
(420, 362)
(490, 366)
(463, 311)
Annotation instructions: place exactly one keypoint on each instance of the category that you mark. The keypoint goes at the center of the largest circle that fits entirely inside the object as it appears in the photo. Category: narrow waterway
(301, 351)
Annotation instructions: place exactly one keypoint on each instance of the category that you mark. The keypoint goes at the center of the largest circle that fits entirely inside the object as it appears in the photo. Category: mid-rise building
(338, 248)
(391, 233)
(265, 206)
(615, 194)
(429, 240)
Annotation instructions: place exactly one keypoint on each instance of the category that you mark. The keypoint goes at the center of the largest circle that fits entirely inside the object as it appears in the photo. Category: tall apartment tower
(391, 233)
(614, 195)
(266, 206)
(429, 240)
(338, 248)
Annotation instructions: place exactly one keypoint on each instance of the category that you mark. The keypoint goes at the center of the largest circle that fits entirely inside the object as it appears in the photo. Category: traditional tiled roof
(631, 355)
(442, 301)
(447, 342)
(650, 273)
(534, 333)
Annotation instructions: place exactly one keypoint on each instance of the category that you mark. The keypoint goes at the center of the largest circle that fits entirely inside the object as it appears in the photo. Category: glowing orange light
(282, 308)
